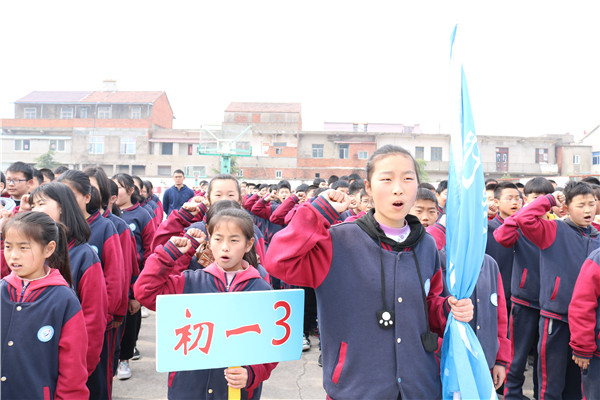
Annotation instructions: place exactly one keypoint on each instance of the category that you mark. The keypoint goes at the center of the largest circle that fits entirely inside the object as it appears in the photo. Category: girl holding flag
(378, 283)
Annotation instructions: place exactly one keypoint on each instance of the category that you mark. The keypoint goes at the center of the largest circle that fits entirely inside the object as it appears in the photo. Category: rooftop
(264, 107)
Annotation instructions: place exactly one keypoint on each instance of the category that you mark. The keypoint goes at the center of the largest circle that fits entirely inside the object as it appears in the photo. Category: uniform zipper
(23, 290)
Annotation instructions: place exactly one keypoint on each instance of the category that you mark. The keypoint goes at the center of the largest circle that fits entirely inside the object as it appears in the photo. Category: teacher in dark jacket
(176, 195)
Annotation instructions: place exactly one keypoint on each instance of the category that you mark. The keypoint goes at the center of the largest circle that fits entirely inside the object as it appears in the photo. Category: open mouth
(398, 204)
(225, 258)
(15, 266)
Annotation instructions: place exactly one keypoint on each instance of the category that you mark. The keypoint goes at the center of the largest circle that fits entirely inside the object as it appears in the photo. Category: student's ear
(368, 188)
(496, 202)
(49, 249)
(249, 245)
(87, 197)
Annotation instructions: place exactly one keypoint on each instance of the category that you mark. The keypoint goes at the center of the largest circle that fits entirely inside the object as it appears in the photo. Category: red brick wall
(162, 115)
(285, 152)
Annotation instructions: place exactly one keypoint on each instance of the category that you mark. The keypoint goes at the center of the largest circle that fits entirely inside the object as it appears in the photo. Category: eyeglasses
(13, 181)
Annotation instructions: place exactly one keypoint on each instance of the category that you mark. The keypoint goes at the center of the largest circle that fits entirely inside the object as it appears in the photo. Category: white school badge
(427, 286)
(95, 248)
(132, 227)
(494, 299)
(45, 333)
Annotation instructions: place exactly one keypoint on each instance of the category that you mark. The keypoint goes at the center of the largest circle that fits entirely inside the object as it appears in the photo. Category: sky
(531, 67)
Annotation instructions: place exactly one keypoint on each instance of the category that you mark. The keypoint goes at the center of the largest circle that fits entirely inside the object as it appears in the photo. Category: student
(6, 203)
(426, 207)
(354, 190)
(507, 200)
(584, 325)
(565, 244)
(231, 235)
(47, 174)
(342, 186)
(278, 215)
(105, 241)
(146, 192)
(141, 190)
(596, 221)
(492, 205)
(177, 194)
(19, 179)
(58, 201)
(363, 205)
(442, 196)
(525, 293)
(44, 340)
(320, 182)
(367, 352)
(154, 198)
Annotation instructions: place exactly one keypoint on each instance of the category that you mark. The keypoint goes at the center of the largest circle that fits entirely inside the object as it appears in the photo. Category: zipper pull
(23, 290)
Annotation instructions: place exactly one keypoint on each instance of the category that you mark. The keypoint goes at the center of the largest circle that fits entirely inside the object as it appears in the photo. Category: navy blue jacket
(174, 198)
(143, 229)
(502, 255)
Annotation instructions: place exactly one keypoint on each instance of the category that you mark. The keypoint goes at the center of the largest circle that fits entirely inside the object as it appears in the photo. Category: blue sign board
(219, 330)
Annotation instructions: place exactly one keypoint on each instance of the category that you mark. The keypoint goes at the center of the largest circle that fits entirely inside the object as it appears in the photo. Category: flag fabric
(464, 370)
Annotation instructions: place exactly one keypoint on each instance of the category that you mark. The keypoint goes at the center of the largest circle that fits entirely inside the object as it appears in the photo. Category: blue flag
(464, 368)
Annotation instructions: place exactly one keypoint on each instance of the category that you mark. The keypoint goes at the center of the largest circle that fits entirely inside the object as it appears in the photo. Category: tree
(423, 175)
(47, 160)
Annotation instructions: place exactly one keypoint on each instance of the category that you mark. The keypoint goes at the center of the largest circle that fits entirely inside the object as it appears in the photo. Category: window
(83, 112)
(278, 150)
(196, 171)
(436, 154)
(277, 174)
(136, 112)
(575, 158)
(317, 150)
(30, 113)
(420, 153)
(240, 172)
(244, 146)
(596, 158)
(166, 148)
(190, 149)
(96, 145)
(139, 170)
(541, 156)
(355, 127)
(103, 112)
(22, 145)
(363, 155)
(66, 113)
(127, 145)
(57, 145)
(279, 144)
(344, 151)
(164, 170)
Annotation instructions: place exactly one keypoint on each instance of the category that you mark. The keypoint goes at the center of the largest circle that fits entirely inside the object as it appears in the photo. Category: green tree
(47, 160)
(423, 175)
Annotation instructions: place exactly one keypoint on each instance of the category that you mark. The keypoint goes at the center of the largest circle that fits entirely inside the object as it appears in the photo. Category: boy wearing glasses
(19, 178)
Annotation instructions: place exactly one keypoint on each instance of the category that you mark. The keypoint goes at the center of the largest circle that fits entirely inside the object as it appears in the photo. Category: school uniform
(344, 263)
(249, 201)
(584, 323)
(157, 279)
(157, 211)
(564, 247)
(525, 312)
(278, 215)
(438, 231)
(347, 214)
(150, 212)
(502, 255)
(44, 340)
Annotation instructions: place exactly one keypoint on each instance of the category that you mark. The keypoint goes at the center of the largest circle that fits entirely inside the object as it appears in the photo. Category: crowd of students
(84, 253)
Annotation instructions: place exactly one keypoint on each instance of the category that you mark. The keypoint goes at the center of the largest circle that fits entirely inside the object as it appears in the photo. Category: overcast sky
(532, 67)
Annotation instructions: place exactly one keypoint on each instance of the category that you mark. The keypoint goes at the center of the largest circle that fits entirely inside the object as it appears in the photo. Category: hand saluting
(340, 201)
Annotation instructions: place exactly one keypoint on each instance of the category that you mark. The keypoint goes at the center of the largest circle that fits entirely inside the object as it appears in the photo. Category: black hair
(519, 185)
(20, 166)
(355, 187)
(71, 216)
(573, 189)
(47, 173)
(491, 186)
(263, 186)
(443, 185)
(387, 150)
(552, 181)
(219, 206)
(139, 183)
(103, 183)
(344, 178)
(332, 179)
(303, 187)
(318, 181)
(246, 225)
(60, 169)
(42, 229)
(428, 186)
(491, 180)
(39, 176)
(222, 177)
(591, 179)
(339, 184)
(114, 191)
(3, 178)
(95, 201)
(77, 180)
(284, 185)
(320, 190)
(426, 194)
(539, 185)
(178, 171)
(501, 186)
(596, 189)
(203, 182)
(127, 182)
(272, 187)
(148, 187)
(354, 177)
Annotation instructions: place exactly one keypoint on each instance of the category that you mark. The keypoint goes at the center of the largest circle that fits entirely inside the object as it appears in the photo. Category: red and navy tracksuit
(584, 323)
(438, 231)
(157, 212)
(565, 247)
(343, 263)
(105, 241)
(158, 278)
(502, 255)
(525, 312)
(262, 211)
(44, 340)
(141, 225)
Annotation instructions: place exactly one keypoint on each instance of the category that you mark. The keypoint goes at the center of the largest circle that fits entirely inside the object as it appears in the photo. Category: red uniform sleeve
(114, 275)
(301, 253)
(158, 215)
(94, 304)
(258, 374)
(248, 202)
(507, 234)
(157, 277)
(437, 305)
(262, 209)
(582, 310)
(438, 232)
(278, 216)
(175, 225)
(541, 232)
(4, 270)
(290, 215)
(147, 238)
(130, 269)
(503, 357)
(72, 371)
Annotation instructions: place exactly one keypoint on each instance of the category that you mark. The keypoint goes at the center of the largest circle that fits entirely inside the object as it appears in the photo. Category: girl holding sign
(378, 283)
(41, 316)
(231, 234)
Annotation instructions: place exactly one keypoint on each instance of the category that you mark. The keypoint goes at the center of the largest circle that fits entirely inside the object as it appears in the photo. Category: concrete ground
(300, 379)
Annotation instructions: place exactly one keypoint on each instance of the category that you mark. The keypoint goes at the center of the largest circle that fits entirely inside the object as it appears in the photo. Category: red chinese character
(185, 333)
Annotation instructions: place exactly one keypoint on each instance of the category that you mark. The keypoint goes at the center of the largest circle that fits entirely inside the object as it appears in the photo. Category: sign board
(219, 330)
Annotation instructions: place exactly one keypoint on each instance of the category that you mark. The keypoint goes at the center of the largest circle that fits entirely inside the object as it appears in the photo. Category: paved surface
(301, 379)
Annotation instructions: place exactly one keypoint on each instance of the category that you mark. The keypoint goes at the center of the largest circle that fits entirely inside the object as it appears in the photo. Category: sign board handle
(234, 394)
